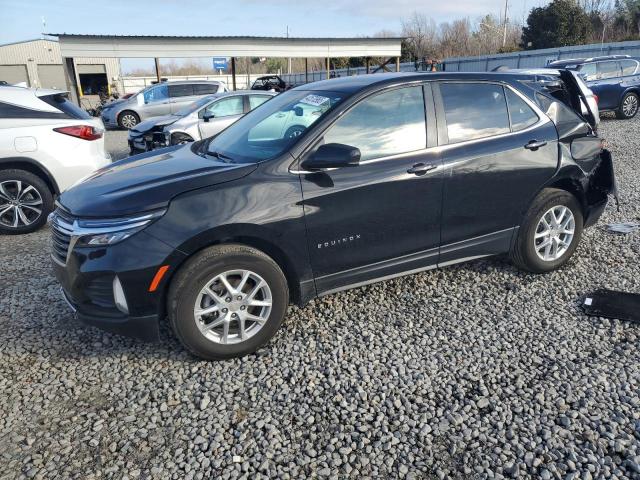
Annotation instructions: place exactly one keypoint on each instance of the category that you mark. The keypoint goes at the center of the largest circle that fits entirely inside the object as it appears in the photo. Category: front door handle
(535, 145)
(421, 168)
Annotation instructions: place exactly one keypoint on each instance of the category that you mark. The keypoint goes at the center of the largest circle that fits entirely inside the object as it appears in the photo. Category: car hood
(152, 122)
(147, 182)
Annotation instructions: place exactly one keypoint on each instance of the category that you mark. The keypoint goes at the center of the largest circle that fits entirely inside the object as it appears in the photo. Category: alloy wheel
(630, 105)
(20, 203)
(233, 306)
(554, 233)
(128, 120)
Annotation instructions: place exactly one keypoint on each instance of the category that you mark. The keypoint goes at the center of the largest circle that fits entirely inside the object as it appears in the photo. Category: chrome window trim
(543, 119)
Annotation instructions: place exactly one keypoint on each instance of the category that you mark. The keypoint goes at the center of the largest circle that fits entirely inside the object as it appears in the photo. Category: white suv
(47, 144)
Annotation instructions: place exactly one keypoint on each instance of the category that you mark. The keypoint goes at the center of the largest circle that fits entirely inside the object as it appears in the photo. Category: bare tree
(421, 33)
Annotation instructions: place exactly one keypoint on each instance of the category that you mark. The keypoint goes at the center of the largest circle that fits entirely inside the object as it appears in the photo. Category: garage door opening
(93, 83)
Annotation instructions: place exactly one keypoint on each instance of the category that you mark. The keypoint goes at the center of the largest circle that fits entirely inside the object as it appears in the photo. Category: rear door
(497, 152)
(180, 96)
(607, 84)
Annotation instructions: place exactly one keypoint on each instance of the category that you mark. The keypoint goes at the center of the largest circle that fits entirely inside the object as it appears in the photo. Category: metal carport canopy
(124, 46)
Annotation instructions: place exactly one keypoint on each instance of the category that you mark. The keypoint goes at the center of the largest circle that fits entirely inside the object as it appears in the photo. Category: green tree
(561, 23)
(274, 65)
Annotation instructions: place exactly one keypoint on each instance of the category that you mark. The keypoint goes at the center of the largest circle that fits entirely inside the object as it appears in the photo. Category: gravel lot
(474, 371)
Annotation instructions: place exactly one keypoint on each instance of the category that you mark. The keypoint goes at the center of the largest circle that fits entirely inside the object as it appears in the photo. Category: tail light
(85, 132)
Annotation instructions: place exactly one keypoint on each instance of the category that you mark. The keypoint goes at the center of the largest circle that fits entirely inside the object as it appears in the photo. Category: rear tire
(215, 322)
(628, 106)
(128, 119)
(553, 214)
(25, 202)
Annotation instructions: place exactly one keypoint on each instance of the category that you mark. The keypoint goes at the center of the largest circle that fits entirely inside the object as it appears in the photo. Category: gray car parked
(160, 99)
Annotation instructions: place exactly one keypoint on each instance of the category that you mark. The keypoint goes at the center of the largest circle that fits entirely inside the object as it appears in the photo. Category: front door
(220, 114)
(497, 153)
(381, 217)
(156, 102)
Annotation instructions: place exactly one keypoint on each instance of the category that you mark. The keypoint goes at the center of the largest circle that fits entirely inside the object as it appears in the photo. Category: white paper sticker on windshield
(315, 100)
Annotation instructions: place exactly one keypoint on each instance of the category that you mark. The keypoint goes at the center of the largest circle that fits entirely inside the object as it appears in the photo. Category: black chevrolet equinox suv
(330, 186)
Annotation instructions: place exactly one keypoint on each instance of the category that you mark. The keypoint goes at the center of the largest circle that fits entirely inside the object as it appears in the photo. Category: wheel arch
(250, 237)
(32, 166)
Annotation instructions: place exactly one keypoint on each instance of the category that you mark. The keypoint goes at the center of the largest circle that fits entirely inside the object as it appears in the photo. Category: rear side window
(255, 100)
(385, 124)
(180, 91)
(608, 70)
(63, 104)
(589, 71)
(205, 88)
(628, 67)
(522, 115)
(474, 110)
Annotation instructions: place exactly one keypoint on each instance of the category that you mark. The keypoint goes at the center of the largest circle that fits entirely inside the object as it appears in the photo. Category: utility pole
(289, 66)
(504, 32)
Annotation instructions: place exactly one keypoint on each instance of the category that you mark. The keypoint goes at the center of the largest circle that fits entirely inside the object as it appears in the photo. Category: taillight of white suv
(85, 132)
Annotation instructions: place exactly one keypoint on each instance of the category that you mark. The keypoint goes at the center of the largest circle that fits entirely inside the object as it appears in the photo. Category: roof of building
(149, 46)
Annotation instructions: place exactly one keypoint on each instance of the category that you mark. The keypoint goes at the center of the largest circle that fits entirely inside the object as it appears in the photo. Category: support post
(71, 79)
(397, 64)
(306, 70)
(233, 73)
(366, 63)
(157, 60)
(328, 68)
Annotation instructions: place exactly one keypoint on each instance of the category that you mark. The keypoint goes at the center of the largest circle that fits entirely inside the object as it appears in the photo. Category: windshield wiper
(220, 156)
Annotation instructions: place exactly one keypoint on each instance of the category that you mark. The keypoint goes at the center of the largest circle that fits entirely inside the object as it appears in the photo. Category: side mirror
(208, 116)
(332, 155)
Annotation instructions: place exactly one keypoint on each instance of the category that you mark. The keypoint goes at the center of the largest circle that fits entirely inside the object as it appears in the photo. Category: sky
(22, 19)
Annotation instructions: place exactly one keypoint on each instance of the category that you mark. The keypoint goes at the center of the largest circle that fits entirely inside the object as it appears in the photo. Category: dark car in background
(270, 83)
(614, 79)
(386, 175)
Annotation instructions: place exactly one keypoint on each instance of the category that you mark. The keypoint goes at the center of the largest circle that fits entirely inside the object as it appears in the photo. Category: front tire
(128, 119)
(227, 301)
(628, 106)
(25, 202)
(550, 232)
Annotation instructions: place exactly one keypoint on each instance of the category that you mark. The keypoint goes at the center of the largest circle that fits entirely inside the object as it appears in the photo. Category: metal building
(38, 63)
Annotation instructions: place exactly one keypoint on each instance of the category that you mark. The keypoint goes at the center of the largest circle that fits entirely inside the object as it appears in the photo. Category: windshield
(192, 107)
(270, 129)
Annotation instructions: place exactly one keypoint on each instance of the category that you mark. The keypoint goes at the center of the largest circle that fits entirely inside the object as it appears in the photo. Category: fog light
(118, 295)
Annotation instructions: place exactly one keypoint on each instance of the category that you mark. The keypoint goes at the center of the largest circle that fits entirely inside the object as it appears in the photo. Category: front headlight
(107, 231)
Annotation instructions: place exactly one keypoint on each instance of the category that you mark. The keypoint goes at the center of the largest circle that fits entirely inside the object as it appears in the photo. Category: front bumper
(87, 281)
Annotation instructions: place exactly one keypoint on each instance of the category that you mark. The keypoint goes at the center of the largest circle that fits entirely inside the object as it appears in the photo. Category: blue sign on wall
(220, 63)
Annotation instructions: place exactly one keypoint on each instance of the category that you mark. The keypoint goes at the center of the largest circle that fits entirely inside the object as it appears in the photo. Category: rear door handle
(535, 145)
(421, 168)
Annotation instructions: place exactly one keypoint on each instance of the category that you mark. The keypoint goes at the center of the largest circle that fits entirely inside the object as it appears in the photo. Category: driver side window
(225, 107)
(156, 94)
(385, 124)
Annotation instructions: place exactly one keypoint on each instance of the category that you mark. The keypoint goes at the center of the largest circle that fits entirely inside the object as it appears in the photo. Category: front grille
(61, 230)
